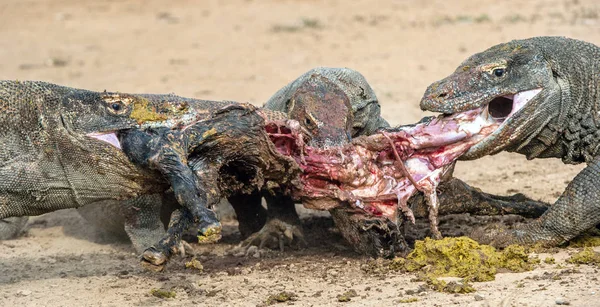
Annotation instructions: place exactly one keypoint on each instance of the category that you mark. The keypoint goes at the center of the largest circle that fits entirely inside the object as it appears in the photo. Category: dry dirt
(245, 51)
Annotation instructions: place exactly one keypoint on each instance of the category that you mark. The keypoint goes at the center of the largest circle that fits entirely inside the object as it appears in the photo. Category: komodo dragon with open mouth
(544, 92)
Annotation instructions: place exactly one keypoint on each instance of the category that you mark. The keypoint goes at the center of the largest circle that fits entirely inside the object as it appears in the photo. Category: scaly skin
(60, 151)
(560, 121)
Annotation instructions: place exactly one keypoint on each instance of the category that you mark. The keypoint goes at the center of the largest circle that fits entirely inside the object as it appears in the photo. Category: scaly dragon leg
(575, 211)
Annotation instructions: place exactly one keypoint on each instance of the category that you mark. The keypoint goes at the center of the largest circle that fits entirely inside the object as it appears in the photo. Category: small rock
(23, 292)
(252, 250)
(246, 271)
(479, 297)
(562, 301)
(424, 293)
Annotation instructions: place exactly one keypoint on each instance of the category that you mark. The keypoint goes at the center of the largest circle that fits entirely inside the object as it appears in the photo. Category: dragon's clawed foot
(276, 233)
(154, 260)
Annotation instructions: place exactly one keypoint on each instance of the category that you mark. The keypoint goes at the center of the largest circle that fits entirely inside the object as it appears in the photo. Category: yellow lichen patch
(463, 257)
(449, 287)
(550, 260)
(347, 296)
(586, 256)
(210, 235)
(194, 264)
(143, 112)
(161, 293)
(466, 68)
(585, 241)
(408, 300)
(460, 257)
(281, 297)
(516, 258)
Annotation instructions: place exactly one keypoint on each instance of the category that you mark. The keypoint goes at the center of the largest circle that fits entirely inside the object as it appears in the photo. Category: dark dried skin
(227, 153)
(561, 121)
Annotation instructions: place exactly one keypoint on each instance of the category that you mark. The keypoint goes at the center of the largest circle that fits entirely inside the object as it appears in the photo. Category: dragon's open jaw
(504, 107)
(502, 110)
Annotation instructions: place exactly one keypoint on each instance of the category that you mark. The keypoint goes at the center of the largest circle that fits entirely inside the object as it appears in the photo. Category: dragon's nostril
(442, 95)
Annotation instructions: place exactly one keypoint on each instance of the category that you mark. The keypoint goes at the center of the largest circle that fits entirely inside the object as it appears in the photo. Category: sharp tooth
(485, 113)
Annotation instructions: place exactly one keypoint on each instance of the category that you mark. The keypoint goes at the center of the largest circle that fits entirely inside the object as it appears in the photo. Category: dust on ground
(244, 51)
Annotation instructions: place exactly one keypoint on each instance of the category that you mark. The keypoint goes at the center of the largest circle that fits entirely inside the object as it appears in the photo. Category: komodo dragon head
(323, 109)
(102, 115)
(518, 84)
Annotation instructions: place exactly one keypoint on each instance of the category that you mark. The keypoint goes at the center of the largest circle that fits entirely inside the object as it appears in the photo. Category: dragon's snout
(435, 96)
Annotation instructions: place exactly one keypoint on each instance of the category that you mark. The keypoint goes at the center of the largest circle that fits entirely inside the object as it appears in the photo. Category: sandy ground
(245, 51)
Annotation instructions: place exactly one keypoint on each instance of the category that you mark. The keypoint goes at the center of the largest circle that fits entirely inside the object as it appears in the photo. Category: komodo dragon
(60, 150)
(545, 93)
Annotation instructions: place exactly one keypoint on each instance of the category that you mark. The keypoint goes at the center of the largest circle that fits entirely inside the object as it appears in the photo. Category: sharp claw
(289, 233)
(186, 249)
(262, 244)
(275, 233)
(153, 260)
(300, 236)
(281, 243)
(151, 267)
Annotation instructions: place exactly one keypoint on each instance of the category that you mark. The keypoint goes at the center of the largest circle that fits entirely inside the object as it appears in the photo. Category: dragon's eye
(499, 72)
(116, 106)
(307, 121)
